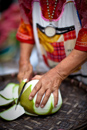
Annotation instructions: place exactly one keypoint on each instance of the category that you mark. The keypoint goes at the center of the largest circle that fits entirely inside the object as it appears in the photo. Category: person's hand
(25, 71)
(47, 84)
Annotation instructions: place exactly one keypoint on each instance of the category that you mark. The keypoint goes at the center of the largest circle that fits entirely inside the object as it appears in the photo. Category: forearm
(25, 52)
(71, 63)
(25, 67)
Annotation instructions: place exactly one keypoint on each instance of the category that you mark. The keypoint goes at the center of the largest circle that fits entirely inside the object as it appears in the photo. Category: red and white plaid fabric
(69, 35)
(59, 52)
(59, 49)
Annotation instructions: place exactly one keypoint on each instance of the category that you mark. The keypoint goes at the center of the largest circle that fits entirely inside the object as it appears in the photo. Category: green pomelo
(29, 106)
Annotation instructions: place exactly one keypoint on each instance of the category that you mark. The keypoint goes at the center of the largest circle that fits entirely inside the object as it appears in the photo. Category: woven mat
(71, 116)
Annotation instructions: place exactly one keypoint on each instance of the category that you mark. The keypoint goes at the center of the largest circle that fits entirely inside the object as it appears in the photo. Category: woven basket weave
(71, 116)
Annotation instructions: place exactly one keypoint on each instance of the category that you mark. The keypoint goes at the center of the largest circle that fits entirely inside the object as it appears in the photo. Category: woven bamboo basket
(71, 116)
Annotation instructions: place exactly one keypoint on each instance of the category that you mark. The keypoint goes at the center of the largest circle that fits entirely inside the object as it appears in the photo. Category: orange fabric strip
(81, 43)
(25, 33)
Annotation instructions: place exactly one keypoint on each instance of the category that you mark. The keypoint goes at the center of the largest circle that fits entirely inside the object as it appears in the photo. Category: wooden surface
(71, 116)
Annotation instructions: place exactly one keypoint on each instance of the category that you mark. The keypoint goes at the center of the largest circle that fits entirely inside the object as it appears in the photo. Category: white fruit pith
(7, 92)
(4, 102)
(11, 113)
(15, 91)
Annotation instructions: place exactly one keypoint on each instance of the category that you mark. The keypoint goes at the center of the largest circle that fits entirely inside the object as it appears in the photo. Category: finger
(46, 97)
(39, 97)
(20, 77)
(35, 90)
(37, 77)
(55, 93)
(27, 75)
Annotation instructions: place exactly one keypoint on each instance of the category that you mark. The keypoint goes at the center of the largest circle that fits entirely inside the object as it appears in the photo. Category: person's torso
(67, 25)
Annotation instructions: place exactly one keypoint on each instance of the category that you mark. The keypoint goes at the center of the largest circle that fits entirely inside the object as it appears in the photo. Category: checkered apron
(52, 50)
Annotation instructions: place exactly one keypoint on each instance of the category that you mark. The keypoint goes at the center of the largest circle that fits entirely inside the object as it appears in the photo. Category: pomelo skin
(29, 106)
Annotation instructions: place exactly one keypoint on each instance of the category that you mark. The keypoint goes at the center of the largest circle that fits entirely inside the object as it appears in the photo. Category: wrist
(62, 73)
(24, 62)
(62, 70)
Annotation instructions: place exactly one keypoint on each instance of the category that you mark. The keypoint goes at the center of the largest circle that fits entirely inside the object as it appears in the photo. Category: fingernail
(55, 106)
(30, 98)
(37, 105)
(25, 80)
(42, 106)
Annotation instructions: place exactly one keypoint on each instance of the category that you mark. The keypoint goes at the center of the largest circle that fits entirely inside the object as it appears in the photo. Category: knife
(18, 100)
